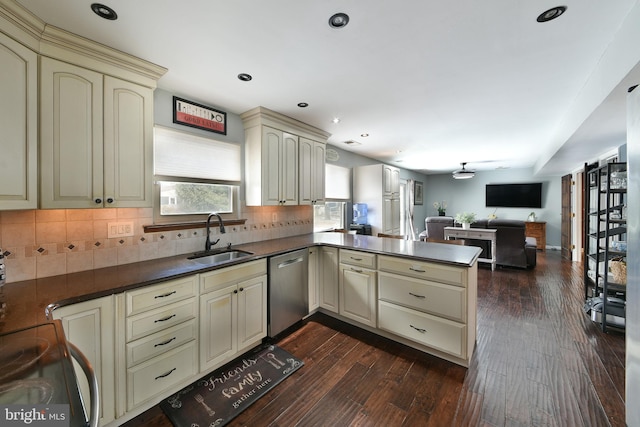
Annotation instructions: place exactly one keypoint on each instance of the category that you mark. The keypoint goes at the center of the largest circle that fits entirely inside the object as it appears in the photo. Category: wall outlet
(119, 229)
(274, 217)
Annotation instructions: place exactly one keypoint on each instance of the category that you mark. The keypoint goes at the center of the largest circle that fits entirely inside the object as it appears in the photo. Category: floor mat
(217, 398)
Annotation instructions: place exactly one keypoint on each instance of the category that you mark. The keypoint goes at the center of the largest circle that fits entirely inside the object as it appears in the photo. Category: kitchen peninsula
(417, 293)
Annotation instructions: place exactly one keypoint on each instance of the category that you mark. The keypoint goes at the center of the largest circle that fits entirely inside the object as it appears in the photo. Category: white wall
(469, 196)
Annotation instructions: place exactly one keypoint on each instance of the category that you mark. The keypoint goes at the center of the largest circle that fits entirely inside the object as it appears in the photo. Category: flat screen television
(526, 195)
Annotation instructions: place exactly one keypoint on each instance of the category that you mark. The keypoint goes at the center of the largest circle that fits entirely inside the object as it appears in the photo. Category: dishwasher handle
(290, 262)
(94, 394)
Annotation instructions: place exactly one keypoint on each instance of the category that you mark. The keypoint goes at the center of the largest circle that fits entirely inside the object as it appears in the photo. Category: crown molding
(29, 30)
(264, 116)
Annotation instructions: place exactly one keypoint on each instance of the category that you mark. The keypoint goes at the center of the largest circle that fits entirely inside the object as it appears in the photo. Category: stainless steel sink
(219, 257)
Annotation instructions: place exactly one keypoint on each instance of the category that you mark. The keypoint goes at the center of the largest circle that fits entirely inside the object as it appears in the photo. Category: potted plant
(440, 207)
(465, 218)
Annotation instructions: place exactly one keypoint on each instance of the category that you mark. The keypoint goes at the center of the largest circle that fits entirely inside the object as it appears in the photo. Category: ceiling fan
(463, 173)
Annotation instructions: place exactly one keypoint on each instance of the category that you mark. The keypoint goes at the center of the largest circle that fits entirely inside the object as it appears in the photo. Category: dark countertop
(27, 300)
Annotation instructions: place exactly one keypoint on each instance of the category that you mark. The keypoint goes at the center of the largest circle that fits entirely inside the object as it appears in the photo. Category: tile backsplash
(42, 243)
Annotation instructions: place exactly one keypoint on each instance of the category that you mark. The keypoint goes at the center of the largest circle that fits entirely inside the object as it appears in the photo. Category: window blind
(186, 155)
(337, 182)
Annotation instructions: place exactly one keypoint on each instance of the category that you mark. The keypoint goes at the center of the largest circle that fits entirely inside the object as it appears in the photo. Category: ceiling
(432, 83)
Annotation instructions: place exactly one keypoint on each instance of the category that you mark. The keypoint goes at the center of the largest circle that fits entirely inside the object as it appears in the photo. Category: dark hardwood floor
(539, 361)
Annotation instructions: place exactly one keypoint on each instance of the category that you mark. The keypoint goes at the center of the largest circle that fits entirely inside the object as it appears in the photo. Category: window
(190, 198)
(194, 176)
(333, 213)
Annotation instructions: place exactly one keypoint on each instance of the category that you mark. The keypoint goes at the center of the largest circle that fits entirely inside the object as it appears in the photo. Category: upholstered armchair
(434, 227)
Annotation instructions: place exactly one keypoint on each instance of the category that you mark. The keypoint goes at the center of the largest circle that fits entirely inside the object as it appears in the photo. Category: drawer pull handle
(165, 375)
(417, 270)
(356, 270)
(165, 343)
(417, 296)
(422, 331)
(356, 259)
(165, 295)
(164, 319)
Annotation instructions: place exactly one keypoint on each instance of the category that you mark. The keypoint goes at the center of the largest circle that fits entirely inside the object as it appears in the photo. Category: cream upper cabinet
(95, 139)
(284, 160)
(390, 180)
(76, 119)
(128, 143)
(272, 167)
(19, 124)
(312, 162)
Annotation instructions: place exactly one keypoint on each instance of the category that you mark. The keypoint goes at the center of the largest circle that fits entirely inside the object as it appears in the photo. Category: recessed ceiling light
(364, 135)
(552, 13)
(336, 120)
(303, 104)
(104, 11)
(339, 20)
(245, 77)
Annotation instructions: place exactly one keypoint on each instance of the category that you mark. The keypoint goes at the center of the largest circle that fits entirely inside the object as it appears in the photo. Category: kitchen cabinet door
(271, 167)
(90, 325)
(128, 144)
(19, 124)
(358, 294)
(71, 136)
(252, 311)
(218, 327)
(96, 139)
(314, 279)
(329, 274)
(311, 165)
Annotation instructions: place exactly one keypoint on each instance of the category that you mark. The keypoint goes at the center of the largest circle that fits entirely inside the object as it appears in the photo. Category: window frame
(180, 218)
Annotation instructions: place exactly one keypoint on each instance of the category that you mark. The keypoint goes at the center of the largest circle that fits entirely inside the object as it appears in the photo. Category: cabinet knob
(241, 289)
(98, 201)
(110, 200)
(235, 292)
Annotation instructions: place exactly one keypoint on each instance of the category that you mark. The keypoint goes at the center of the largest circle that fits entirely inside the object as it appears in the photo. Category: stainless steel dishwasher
(288, 290)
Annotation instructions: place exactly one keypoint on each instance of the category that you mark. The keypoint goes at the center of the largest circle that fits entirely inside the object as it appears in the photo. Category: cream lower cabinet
(161, 338)
(233, 312)
(19, 126)
(314, 279)
(90, 325)
(328, 278)
(430, 304)
(96, 139)
(357, 283)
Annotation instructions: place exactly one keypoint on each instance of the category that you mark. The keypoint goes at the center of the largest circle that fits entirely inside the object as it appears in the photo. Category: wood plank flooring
(539, 361)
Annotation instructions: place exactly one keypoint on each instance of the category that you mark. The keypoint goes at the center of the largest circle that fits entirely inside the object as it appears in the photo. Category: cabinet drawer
(441, 334)
(424, 270)
(160, 373)
(145, 348)
(432, 297)
(155, 320)
(361, 259)
(219, 279)
(154, 296)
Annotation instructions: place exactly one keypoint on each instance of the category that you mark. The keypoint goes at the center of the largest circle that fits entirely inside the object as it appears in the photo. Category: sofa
(513, 248)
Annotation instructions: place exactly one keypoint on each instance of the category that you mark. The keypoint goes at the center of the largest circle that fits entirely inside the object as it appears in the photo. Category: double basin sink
(219, 256)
